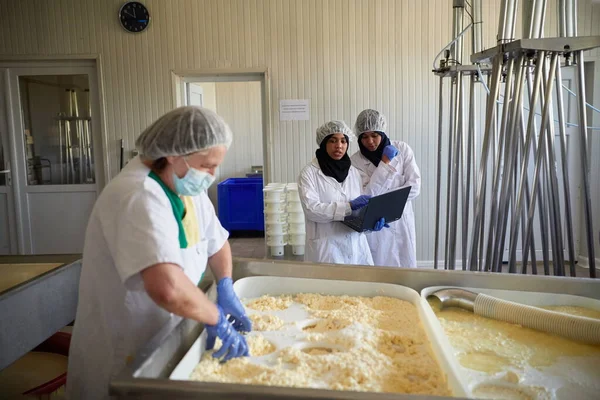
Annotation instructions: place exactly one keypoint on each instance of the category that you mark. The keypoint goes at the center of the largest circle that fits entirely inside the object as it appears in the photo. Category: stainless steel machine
(522, 172)
(147, 376)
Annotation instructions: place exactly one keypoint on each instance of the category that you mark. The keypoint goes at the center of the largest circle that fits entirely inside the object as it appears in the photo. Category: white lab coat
(131, 228)
(394, 246)
(325, 202)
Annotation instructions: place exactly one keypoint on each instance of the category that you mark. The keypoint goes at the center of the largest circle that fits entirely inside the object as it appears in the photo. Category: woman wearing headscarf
(149, 238)
(330, 189)
(385, 166)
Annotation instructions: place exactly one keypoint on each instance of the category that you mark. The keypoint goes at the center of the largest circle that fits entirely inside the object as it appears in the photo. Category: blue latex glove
(379, 225)
(234, 344)
(390, 152)
(359, 202)
(231, 305)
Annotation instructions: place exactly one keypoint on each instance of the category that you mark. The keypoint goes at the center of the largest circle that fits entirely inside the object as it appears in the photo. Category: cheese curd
(347, 343)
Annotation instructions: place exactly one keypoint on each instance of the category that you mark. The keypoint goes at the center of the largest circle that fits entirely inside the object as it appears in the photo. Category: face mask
(193, 183)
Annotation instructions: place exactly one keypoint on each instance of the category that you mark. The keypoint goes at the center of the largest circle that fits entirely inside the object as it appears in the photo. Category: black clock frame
(125, 21)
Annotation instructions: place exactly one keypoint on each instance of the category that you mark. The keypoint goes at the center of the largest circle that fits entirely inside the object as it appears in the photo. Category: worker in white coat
(330, 189)
(149, 238)
(385, 166)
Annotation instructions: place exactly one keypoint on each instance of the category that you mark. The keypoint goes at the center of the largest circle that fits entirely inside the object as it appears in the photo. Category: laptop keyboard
(355, 223)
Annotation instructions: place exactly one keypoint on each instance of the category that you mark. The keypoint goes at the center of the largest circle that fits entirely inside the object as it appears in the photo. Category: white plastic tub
(278, 228)
(297, 227)
(298, 250)
(273, 194)
(278, 206)
(294, 206)
(276, 240)
(297, 239)
(292, 198)
(295, 217)
(257, 286)
(276, 251)
(272, 217)
(276, 185)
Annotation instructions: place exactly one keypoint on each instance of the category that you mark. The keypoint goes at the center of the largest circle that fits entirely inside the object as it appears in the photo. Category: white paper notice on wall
(294, 110)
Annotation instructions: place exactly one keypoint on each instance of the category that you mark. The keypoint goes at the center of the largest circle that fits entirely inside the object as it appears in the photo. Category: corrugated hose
(581, 329)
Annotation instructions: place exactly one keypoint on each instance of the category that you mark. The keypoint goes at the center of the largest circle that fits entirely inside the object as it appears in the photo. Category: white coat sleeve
(146, 234)
(210, 226)
(381, 181)
(412, 174)
(314, 209)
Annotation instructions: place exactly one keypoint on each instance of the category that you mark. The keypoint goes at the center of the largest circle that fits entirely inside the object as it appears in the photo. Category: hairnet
(183, 131)
(370, 121)
(332, 127)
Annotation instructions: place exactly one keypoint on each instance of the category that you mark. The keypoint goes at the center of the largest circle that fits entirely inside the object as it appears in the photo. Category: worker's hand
(359, 202)
(390, 152)
(379, 225)
(234, 345)
(231, 305)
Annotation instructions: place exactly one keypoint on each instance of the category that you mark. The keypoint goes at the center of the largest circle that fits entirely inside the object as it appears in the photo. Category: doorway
(51, 155)
(241, 101)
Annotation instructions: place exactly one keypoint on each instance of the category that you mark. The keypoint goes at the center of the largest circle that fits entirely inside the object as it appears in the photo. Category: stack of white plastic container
(284, 219)
(275, 218)
(295, 219)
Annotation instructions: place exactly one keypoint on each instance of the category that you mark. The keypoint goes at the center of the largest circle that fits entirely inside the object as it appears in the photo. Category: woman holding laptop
(385, 166)
(330, 189)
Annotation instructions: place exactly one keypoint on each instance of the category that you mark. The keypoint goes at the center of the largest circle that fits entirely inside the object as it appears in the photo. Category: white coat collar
(335, 184)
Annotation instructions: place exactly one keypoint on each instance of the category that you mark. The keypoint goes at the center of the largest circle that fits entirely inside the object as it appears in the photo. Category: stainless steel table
(147, 376)
(42, 300)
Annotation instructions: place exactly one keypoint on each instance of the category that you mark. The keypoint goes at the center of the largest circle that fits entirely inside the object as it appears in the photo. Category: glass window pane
(57, 129)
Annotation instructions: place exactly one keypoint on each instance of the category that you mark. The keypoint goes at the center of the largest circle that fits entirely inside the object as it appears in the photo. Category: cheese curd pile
(507, 361)
(344, 343)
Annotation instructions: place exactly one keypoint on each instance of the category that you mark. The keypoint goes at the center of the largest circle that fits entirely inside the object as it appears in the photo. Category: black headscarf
(375, 155)
(337, 169)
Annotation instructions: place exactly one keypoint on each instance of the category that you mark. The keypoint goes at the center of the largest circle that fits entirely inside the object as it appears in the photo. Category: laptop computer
(388, 205)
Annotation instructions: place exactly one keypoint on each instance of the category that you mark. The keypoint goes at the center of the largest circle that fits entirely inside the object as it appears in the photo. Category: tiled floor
(248, 247)
(256, 248)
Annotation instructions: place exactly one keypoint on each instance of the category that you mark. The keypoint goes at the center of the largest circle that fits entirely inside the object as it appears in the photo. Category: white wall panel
(343, 55)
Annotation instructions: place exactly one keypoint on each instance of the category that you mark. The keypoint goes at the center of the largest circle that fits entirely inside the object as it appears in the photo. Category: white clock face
(134, 16)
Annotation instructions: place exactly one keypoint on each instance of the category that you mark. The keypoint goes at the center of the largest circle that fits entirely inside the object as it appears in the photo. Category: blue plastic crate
(240, 204)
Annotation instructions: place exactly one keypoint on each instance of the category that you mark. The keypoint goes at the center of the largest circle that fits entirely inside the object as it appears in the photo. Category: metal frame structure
(513, 144)
(74, 132)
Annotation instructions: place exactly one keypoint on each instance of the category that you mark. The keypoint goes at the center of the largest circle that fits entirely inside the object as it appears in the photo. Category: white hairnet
(183, 131)
(370, 121)
(332, 127)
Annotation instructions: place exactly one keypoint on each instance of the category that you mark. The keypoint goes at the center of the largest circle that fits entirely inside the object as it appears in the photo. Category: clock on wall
(134, 16)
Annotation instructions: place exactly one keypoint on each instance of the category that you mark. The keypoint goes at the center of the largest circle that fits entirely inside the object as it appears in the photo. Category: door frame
(7, 189)
(180, 77)
(74, 60)
(19, 218)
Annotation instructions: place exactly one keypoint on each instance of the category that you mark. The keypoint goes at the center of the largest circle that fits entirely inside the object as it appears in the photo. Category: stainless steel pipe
(565, 170)
(483, 164)
(585, 165)
(438, 187)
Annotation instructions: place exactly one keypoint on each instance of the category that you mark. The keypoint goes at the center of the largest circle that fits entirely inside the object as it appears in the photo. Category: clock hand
(134, 14)
(128, 13)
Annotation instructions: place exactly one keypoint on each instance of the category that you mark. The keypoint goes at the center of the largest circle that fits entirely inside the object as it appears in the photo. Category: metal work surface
(147, 376)
(35, 310)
